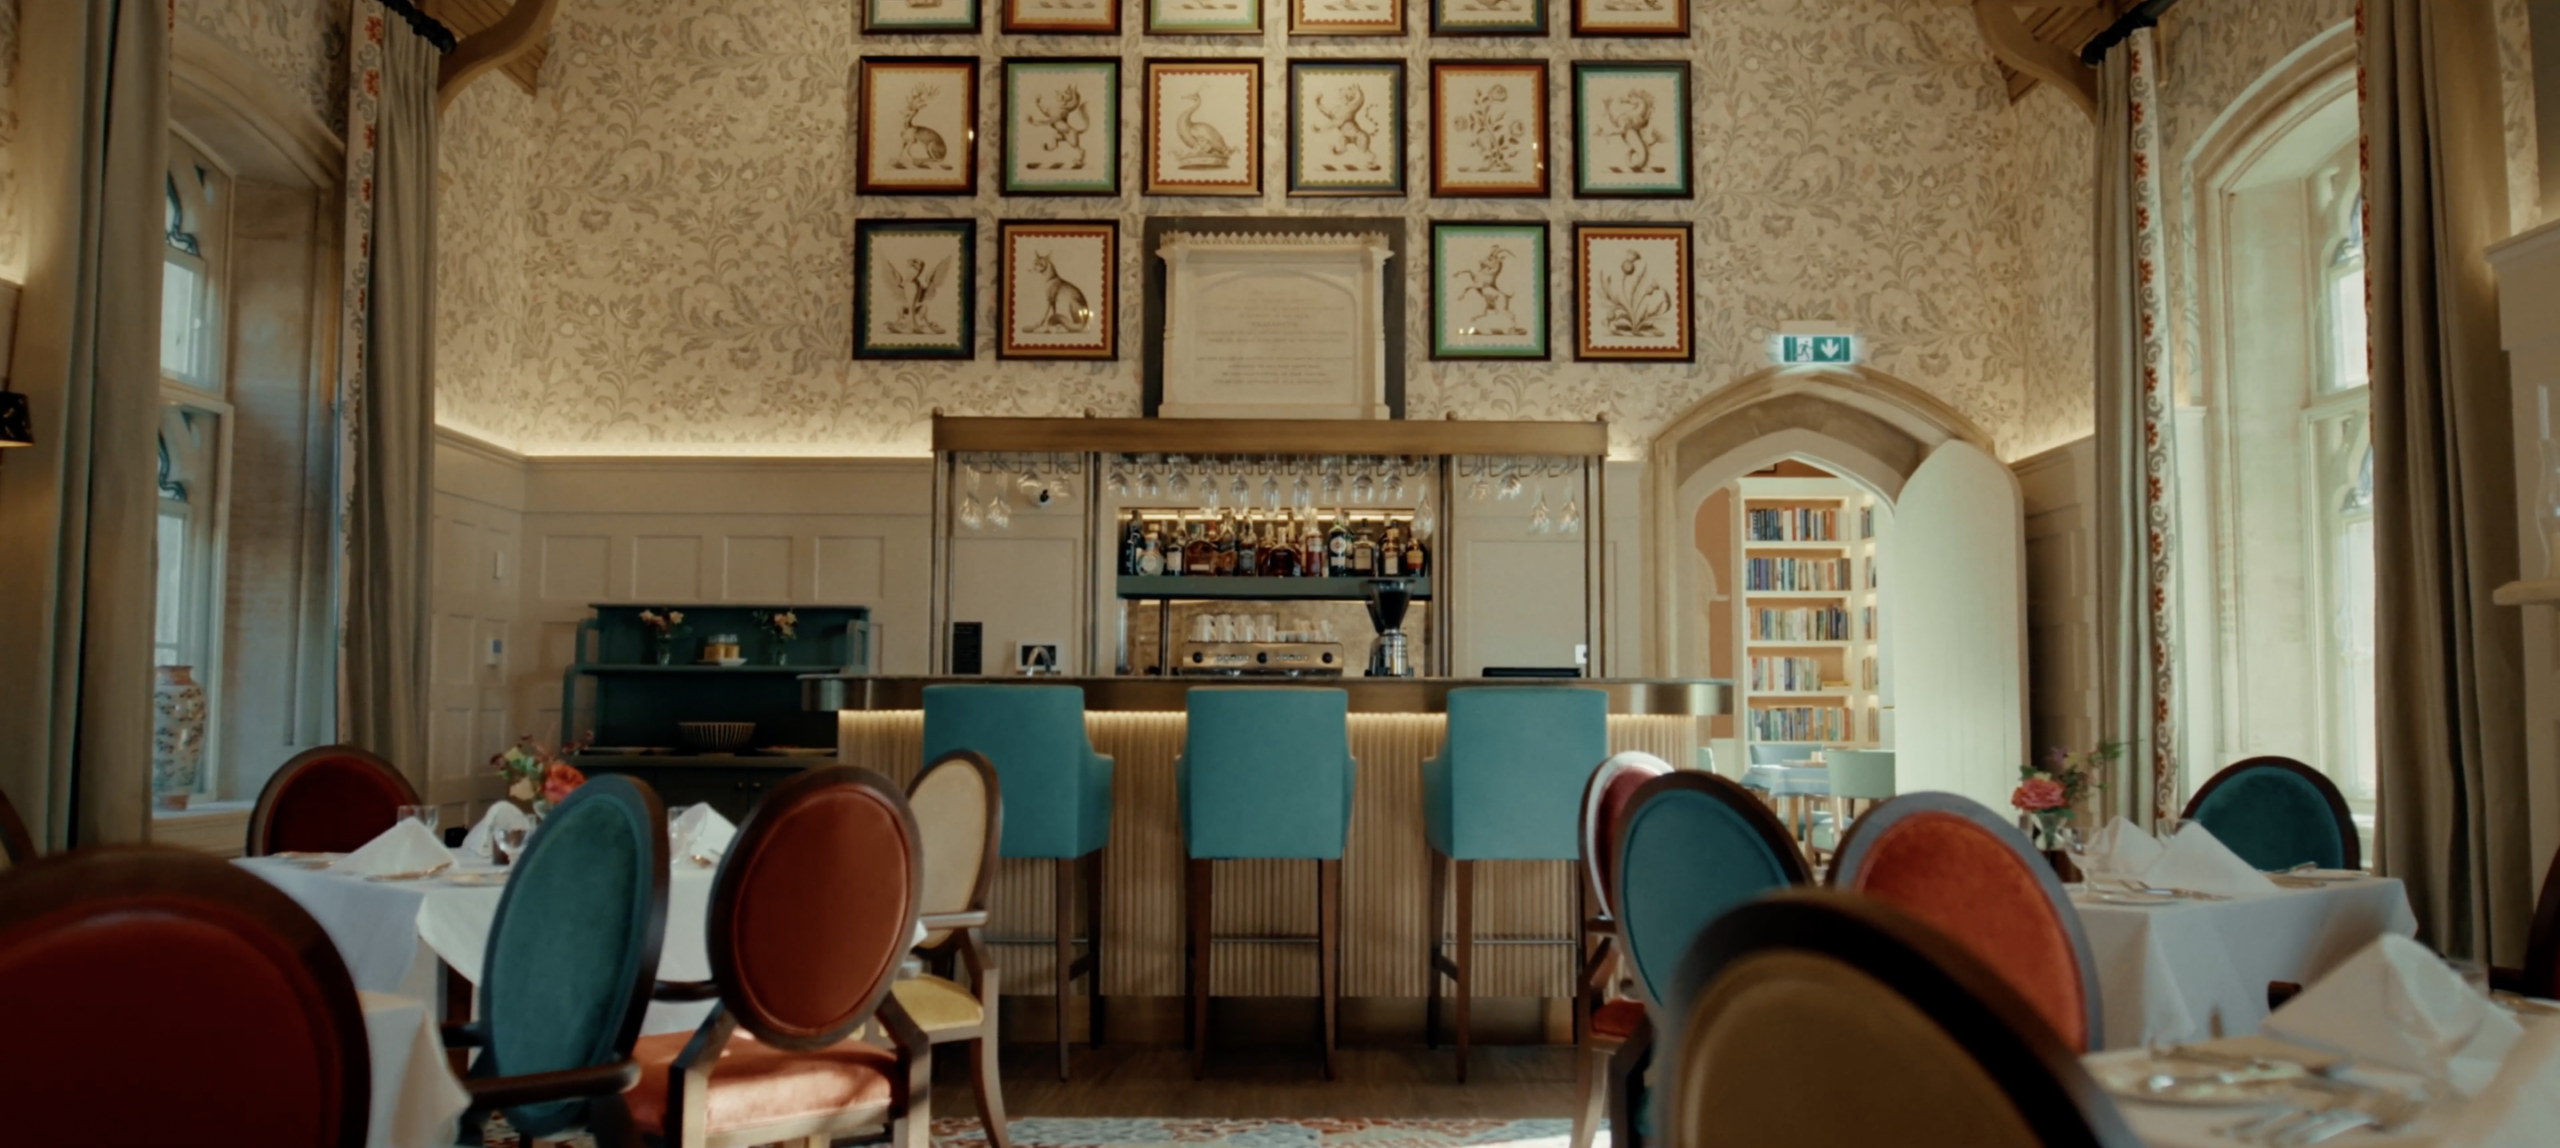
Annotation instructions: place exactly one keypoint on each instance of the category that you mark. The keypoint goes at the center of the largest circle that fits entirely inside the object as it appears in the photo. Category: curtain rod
(424, 25)
(2144, 15)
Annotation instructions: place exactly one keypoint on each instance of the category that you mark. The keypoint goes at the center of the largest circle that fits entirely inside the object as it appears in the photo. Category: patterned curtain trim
(2151, 257)
(364, 120)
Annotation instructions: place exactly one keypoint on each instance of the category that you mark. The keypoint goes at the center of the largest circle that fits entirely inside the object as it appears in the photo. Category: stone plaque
(1274, 326)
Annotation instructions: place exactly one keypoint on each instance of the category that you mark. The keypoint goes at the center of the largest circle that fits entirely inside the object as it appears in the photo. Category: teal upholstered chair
(2277, 813)
(1505, 787)
(1691, 846)
(1859, 779)
(572, 957)
(1058, 791)
(1265, 773)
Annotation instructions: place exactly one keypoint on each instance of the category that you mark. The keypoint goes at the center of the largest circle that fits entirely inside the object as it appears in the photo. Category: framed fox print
(919, 125)
(1060, 18)
(1346, 127)
(1489, 290)
(1632, 293)
(1061, 126)
(1055, 297)
(1488, 128)
(913, 289)
(904, 16)
(1204, 17)
(1204, 127)
(1488, 17)
(1346, 17)
(1630, 17)
(1631, 130)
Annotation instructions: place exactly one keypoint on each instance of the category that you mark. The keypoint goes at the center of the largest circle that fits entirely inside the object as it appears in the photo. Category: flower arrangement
(663, 629)
(537, 778)
(2051, 791)
(783, 625)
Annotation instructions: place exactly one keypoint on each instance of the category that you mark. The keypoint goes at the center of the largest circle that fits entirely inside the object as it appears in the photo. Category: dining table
(415, 1099)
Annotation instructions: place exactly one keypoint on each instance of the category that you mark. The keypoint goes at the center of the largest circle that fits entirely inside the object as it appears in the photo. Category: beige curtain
(2452, 748)
(388, 399)
(76, 509)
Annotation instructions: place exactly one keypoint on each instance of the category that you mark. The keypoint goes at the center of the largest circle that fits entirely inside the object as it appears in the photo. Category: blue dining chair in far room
(1859, 779)
(572, 958)
(2277, 813)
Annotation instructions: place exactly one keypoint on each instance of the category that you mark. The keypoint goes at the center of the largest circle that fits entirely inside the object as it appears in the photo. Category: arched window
(195, 409)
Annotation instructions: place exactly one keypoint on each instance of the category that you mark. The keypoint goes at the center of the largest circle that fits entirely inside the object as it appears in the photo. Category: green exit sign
(1816, 350)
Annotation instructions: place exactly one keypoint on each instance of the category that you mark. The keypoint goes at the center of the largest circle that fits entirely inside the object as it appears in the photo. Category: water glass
(510, 843)
(424, 815)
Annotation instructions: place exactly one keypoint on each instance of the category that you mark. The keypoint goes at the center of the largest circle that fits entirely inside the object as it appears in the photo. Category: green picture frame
(1060, 123)
(915, 289)
(1631, 135)
(1346, 128)
(1489, 297)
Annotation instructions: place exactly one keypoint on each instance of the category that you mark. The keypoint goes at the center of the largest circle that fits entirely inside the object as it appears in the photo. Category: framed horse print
(1061, 126)
(1631, 130)
(914, 291)
(1060, 18)
(1055, 298)
(1632, 293)
(1204, 127)
(1346, 127)
(919, 124)
(1489, 290)
(1489, 128)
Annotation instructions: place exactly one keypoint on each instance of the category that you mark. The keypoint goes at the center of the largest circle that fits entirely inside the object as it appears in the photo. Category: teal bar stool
(1265, 773)
(1057, 797)
(1507, 786)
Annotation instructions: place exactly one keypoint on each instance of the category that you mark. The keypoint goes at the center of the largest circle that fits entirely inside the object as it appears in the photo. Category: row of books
(1785, 675)
(1792, 524)
(1804, 624)
(1798, 574)
(1800, 723)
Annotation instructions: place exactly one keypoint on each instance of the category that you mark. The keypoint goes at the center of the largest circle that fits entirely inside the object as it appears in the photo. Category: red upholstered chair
(327, 800)
(160, 996)
(16, 848)
(812, 911)
(1602, 1019)
(1962, 870)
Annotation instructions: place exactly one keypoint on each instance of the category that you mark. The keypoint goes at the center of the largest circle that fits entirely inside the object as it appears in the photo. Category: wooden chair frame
(14, 841)
(262, 815)
(1598, 976)
(964, 944)
(2350, 846)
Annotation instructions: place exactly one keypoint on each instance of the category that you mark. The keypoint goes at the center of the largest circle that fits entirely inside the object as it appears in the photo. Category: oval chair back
(1916, 1041)
(573, 950)
(331, 799)
(1606, 797)
(2277, 813)
(1957, 867)
(216, 998)
(16, 848)
(958, 806)
(1692, 846)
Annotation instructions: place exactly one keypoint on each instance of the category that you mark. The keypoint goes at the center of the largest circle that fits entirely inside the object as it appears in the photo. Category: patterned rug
(1039, 1132)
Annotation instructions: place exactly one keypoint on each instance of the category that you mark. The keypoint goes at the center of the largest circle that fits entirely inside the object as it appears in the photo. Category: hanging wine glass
(1062, 483)
(1270, 487)
(969, 516)
(1301, 495)
(1425, 519)
(1482, 488)
(1364, 486)
(1511, 481)
(999, 515)
(1395, 480)
(1241, 490)
(1333, 480)
(1028, 482)
(1119, 476)
(1571, 521)
(1176, 483)
(1540, 521)
(1209, 491)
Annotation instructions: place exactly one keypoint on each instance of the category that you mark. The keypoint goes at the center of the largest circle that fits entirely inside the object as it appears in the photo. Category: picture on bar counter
(1204, 127)
(1061, 127)
(913, 289)
(1056, 295)
(919, 125)
(1488, 290)
(1631, 287)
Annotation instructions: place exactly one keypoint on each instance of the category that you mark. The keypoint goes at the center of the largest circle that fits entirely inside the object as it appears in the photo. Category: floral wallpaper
(13, 248)
(2524, 151)
(482, 229)
(2053, 172)
(303, 43)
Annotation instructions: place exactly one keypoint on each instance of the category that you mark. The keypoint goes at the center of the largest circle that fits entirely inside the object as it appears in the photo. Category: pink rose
(2037, 794)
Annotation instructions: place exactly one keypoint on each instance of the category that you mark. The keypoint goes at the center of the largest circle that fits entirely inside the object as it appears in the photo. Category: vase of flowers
(781, 626)
(537, 778)
(2050, 793)
(662, 628)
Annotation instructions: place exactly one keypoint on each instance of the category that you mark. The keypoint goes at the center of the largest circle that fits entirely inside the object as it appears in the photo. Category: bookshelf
(1805, 558)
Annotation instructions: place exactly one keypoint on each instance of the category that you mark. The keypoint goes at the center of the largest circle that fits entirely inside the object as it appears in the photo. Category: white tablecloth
(415, 1098)
(1789, 780)
(2172, 972)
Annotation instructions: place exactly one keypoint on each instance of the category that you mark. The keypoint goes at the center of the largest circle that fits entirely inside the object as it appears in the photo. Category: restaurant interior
(1311, 574)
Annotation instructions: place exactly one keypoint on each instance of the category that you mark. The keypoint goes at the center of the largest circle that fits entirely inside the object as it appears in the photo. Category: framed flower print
(1061, 126)
(1055, 289)
(1489, 290)
(1630, 17)
(1204, 17)
(1633, 293)
(1204, 127)
(1488, 17)
(1346, 17)
(914, 291)
(1631, 130)
(1488, 128)
(919, 124)
(910, 16)
(1346, 127)
(1060, 18)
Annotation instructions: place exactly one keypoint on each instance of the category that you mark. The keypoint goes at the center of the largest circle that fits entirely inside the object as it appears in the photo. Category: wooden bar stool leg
(1201, 962)
(1329, 952)
(1064, 947)
(1431, 964)
(1093, 949)
(1466, 953)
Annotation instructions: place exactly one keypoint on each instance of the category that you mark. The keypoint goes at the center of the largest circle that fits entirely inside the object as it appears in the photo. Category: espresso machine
(1388, 656)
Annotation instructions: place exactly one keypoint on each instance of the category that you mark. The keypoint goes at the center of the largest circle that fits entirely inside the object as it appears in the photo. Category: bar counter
(1524, 910)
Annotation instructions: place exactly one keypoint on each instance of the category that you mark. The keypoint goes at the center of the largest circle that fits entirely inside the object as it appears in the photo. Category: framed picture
(1204, 17)
(1488, 128)
(1055, 286)
(1631, 130)
(1489, 290)
(919, 124)
(1630, 17)
(1034, 659)
(1204, 127)
(886, 16)
(1346, 127)
(1346, 17)
(1060, 18)
(1061, 126)
(1632, 293)
(1488, 17)
(914, 291)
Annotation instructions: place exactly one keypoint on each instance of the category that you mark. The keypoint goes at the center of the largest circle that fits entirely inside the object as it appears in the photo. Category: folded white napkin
(699, 832)
(406, 847)
(483, 838)
(2122, 849)
(2196, 859)
(2395, 1004)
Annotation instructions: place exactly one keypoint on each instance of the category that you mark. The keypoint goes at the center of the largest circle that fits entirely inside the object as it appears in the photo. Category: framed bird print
(1204, 127)
(1204, 17)
(1631, 130)
(900, 16)
(1346, 127)
(1346, 17)
(1488, 17)
(913, 289)
(1630, 17)
(1632, 293)
(1489, 128)
(1489, 290)
(1060, 18)
(1061, 126)
(919, 125)
(1055, 291)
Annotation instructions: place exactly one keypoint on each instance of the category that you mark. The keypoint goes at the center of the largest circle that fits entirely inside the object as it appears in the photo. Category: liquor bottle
(1133, 542)
(1249, 549)
(1279, 556)
(1176, 563)
(1390, 554)
(1151, 555)
(1417, 561)
(1337, 546)
(1310, 547)
(1224, 557)
(1364, 552)
(1199, 555)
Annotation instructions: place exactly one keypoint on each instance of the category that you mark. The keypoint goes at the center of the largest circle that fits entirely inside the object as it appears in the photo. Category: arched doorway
(1954, 686)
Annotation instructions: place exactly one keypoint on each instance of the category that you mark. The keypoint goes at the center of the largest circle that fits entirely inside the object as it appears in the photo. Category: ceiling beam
(520, 29)
(2017, 47)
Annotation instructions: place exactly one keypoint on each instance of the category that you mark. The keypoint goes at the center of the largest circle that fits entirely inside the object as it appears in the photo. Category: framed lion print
(1489, 128)
(1489, 290)
(919, 125)
(1630, 17)
(1632, 293)
(1060, 18)
(1204, 127)
(1204, 17)
(1631, 130)
(919, 16)
(1346, 127)
(1061, 126)
(913, 289)
(1055, 297)
(1346, 17)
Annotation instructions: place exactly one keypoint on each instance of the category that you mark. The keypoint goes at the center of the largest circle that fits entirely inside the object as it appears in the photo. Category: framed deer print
(1489, 290)
(1060, 18)
(1204, 17)
(919, 125)
(1061, 126)
(1346, 127)
(1204, 127)
(1488, 128)
(1488, 17)
(914, 291)
(1055, 279)
(1632, 293)
(1631, 130)
(894, 16)
(1346, 17)
(1630, 17)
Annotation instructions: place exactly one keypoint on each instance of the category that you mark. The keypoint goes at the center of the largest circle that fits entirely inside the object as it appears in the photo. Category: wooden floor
(1516, 1082)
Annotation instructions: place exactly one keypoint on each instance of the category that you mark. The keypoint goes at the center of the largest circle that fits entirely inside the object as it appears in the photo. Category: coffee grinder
(1388, 600)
